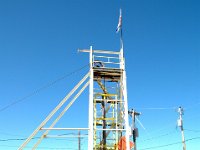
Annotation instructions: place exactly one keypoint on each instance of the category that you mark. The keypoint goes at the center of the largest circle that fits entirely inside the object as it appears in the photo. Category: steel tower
(108, 106)
(108, 127)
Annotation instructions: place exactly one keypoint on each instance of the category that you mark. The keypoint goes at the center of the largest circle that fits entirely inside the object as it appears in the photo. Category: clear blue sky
(39, 42)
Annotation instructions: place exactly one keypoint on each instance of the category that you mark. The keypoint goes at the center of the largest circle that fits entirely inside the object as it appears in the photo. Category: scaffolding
(108, 127)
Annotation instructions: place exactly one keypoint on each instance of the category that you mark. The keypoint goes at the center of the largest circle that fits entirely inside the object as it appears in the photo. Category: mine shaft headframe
(107, 66)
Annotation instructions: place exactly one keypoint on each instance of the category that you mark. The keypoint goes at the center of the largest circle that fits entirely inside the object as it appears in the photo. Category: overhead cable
(170, 144)
(157, 108)
(56, 148)
(41, 88)
(168, 108)
(159, 136)
(192, 130)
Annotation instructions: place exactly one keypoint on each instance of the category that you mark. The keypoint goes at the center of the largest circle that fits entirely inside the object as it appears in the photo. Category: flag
(119, 26)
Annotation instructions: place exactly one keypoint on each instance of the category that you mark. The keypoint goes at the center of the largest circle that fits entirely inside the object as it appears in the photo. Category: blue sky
(39, 42)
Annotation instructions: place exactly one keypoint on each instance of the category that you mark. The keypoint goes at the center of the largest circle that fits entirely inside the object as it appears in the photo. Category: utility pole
(180, 124)
(79, 140)
(133, 114)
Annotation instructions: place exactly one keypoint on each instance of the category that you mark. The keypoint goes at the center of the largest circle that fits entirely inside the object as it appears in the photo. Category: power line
(157, 108)
(168, 108)
(194, 138)
(166, 145)
(17, 139)
(21, 139)
(154, 147)
(170, 144)
(192, 130)
(56, 148)
(41, 88)
(159, 136)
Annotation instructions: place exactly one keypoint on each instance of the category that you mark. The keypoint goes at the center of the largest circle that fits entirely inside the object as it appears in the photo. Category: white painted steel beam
(91, 115)
(64, 128)
(52, 113)
(110, 129)
(60, 116)
(124, 91)
(66, 136)
(100, 51)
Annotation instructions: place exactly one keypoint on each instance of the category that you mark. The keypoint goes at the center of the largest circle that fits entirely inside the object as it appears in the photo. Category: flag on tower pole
(119, 29)
(119, 26)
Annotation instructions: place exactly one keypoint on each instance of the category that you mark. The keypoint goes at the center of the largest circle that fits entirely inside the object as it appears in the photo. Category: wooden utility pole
(133, 114)
(180, 124)
(79, 140)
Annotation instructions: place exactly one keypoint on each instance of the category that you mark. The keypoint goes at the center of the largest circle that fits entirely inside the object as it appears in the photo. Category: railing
(106, 61)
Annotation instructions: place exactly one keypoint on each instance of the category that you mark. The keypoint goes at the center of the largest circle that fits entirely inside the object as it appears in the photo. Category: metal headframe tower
(108, 106)
(108, 125)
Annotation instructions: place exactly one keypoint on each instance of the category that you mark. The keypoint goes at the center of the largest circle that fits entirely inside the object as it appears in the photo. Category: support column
(91, 134)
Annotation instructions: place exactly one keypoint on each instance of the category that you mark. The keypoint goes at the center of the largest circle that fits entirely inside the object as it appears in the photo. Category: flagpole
(119, 29)
(121, 34)
(121, 43)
